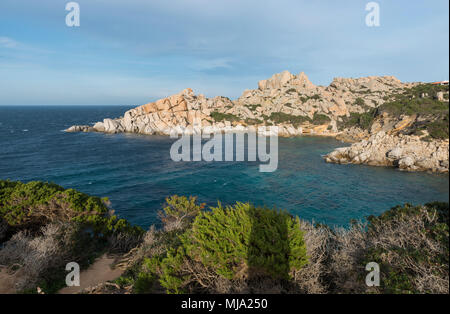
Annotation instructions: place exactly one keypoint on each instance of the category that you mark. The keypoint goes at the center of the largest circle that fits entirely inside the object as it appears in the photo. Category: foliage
(360, 120)
(291, 90)
(319, 119)
(260, 238)
(250, 121)
(179, 211)
(219, 116)
(360, 102)
(242, 248)
(29, 206)
(421, 99)
(306, 98)
(281, 117)
(402, 263)
(253, 107)
(439, 128)
(254, 242)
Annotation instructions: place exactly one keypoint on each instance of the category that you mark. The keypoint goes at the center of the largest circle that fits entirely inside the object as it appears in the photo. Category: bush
(179, 212)
(360, 102)
(360, 120)
(255, 243)
(30, 206)
(281, 117)
(45, 226)
(260, 240)
(414, 254)
(253, 107)
(219, 116)
(410, 244)
(320, 119)
(439, 129)
(412, 101)
(245, 249)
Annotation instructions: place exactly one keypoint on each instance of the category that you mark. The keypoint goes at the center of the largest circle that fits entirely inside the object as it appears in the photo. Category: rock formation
(405, 152)
(296, 106)
(292, 95)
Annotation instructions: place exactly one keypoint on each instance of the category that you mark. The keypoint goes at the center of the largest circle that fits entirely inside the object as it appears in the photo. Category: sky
(131, 52)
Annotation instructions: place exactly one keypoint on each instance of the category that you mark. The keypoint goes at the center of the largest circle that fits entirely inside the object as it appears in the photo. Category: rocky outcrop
(297, 106)
(296, 95)
(405, 152)
(285, 93)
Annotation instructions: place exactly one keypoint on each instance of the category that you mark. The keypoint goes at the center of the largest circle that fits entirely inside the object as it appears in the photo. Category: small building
(440, 83)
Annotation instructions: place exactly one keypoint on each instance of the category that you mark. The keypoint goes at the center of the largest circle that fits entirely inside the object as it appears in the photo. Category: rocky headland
(381, 114)
(196, 249)
(405, 152)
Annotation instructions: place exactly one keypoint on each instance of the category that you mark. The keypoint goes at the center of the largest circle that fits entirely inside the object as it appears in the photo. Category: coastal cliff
(405, 152)
(383, 114)
(289, 101)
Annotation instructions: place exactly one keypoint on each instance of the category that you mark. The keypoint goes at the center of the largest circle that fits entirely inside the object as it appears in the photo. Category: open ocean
(137, 174)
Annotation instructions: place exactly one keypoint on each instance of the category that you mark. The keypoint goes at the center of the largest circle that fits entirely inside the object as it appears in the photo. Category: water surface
(136, 172)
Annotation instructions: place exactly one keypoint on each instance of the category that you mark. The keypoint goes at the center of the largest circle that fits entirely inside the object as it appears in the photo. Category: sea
(137, 173)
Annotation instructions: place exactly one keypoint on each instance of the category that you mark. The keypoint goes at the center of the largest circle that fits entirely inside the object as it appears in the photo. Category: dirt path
(100, 271)
(7, 282)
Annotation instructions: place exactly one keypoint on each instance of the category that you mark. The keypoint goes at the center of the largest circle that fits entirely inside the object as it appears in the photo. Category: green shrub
(144, 282)
(411, 101)
(319, 119)
(179, 211)
(291, 90)
(401, 264)
(219, 116)
(259, 238)
(361, 120)
(439, 129)
(360, 102)
(250, 121)
(29, 206)
(232, 242)
(281, 117)
(253, 107)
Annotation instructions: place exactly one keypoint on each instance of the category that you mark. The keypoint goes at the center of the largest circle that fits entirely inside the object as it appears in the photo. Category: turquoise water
(136, 172)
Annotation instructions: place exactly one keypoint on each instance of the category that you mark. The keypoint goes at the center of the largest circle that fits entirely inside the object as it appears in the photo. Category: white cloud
(7, 42)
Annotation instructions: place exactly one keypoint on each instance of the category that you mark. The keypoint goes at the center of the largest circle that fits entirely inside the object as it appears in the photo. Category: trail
(7, 281)
(99, 272)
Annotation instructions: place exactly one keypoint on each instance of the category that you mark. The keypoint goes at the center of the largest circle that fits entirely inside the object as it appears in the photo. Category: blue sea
(137, 173)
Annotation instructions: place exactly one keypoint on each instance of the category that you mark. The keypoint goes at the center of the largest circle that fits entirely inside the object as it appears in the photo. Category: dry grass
(349, 249)
(34, 255)
(310, 279)
(407, 232)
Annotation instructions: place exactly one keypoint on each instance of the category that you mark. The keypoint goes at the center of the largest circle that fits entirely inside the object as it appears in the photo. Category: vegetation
(360, 102)
(231, 249)
(250, 121)
(30, 206)
(256, 243)
(253, 107)
(409, 266)
(264, 251)
(319, 119)
(44, 226)
(360, 120)
(306, 98)
(421, 101)
(291, 90)
(219, 116)
(281, 117)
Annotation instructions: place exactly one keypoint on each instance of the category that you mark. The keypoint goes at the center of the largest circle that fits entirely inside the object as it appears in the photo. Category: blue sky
(135, 51)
